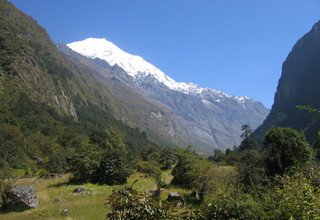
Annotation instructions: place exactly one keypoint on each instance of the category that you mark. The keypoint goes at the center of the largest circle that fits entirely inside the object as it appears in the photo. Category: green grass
(89, 205)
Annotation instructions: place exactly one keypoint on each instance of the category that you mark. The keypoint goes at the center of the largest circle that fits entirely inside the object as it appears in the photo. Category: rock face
(298, 85)
(20, 198)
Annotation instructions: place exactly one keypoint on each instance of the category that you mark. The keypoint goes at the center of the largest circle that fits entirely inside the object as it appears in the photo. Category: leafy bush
(185, 173)
(293, 198)
(287, 150)
(235, 205)
(85, 162)
(114, 168)
(128, 204)
(251, 169)
(6, 182)
(167, 158)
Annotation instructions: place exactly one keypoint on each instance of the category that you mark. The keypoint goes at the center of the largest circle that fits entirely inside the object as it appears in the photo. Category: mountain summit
(203, 117)
(136, 66)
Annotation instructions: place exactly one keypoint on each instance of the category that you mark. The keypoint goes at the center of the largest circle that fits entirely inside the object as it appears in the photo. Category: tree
(85, 162)
(166, 159)
(287, 150)
(114, 168)
(248, 142)
(246, 131)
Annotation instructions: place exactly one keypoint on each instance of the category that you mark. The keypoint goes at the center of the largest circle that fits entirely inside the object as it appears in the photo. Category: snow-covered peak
(134, 65)
(138, 68)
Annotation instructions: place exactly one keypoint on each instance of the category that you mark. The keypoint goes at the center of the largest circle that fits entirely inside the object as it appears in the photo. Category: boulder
(175, 196)
(20, 198)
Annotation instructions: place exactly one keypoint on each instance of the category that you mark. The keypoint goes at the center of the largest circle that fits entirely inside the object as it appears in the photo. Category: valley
(90, 131)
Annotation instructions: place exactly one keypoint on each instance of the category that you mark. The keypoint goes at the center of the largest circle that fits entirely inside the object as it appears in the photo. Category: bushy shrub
(293, 198)
(127, 203)
(234, 205)
(6, 182)
(251, 169)
(114, 168)
(287, 151)
(85, 162)
(167, 158)
(185, 172)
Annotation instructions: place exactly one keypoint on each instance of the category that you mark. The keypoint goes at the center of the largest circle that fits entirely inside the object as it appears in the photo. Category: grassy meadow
(55, 195)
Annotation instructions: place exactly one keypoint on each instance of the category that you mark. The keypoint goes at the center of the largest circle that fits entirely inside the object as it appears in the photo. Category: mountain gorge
(203, 117)
(298, 85)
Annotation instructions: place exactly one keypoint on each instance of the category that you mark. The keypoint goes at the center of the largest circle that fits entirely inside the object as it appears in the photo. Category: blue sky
(236, 46)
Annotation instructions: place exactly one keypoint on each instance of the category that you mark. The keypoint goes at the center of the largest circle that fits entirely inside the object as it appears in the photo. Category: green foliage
(167, 158)
(251, 169)
(151, 152)
(57, 162)
(293, 198)
(310, 109)
(108, 139)
(248, 142)
(287, 150)
(6, 182)
(200, 175)
(184, 173)
(114, 168)
(127, 204)
(153, 170)
(234, 205)
(85, 162)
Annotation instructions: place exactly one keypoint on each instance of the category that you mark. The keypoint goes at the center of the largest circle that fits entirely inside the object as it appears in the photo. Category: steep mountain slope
(31, 67)
(298, 85)
(203, 117)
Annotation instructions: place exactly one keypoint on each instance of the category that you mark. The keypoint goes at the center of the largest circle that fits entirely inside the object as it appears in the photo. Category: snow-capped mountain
(203, 117)
(136, 66)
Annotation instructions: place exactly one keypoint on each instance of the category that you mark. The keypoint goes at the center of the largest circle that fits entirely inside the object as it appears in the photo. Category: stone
(65, 212)
(21, 198)
(80, 189)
